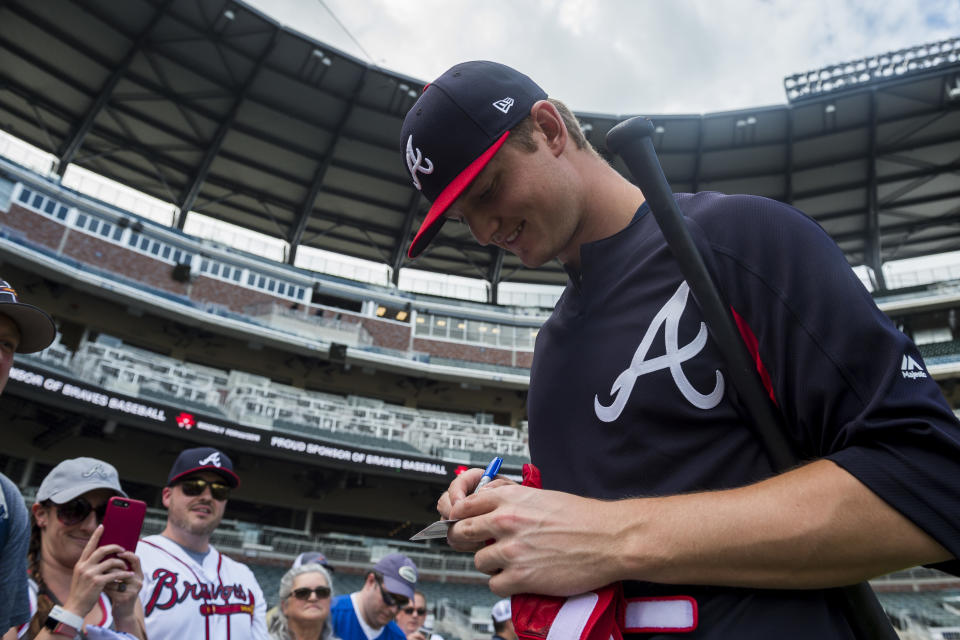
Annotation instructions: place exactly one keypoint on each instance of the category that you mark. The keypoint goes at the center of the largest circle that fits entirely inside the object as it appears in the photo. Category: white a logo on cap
(417, 163)
(504, 104)
(95, 469)
(408, 573)
(213, 458)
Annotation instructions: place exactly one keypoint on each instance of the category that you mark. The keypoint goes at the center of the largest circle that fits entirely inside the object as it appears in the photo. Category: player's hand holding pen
(469, 483)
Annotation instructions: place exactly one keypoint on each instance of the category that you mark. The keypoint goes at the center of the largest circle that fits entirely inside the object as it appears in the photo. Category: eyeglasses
(77, 510)
(303, 593)
(195, 487)
(420, 611)
(392, 599)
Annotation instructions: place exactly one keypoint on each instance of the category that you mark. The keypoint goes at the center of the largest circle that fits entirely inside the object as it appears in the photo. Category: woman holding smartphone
(304, 612)
(75, 582)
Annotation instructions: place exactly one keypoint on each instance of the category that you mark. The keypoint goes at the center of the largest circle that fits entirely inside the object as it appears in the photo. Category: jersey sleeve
(852, 387)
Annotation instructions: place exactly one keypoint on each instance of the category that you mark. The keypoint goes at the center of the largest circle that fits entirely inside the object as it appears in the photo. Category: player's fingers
(464, 484)
(484, 501)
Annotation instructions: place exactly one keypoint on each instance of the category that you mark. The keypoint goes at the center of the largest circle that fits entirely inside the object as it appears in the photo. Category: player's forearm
(816, 526)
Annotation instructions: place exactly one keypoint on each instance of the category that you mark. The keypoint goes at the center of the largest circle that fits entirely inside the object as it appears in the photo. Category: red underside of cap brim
(434, 220)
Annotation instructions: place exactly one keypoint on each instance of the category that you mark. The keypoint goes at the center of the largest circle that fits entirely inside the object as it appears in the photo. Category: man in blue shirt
(628, 395)
(23, 329)
(369, 614)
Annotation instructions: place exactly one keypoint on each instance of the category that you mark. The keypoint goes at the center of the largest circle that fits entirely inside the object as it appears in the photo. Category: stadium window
(176, 256)
(62, 213)
(272, 286)
(117, 233)
(215, 268)
(187, 258)
(105, 229)
(166, 252)
(134, 238)
(81, 220)
(94, 225)
(155, 248)
(261, 282)
(458, 329)
(226, 271)
(236, 275)
(144, 243)
(300, 291)
(251, 279)
(204, 265)
(24, 196)
(37, 201)
(49, 207)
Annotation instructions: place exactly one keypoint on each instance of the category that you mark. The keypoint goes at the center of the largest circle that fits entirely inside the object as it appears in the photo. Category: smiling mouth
(510, 239)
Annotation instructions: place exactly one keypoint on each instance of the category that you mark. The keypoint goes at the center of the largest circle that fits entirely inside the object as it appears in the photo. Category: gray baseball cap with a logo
(74, 477)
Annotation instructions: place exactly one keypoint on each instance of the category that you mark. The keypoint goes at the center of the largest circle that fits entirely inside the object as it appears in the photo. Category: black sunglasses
(420, 611)
(392, 599)
(77, 510)
(303, 593)
(195, 486)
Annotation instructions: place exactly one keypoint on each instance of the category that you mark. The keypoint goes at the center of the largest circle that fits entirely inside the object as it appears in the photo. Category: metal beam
(70, 147)
(399, 247)
(496, 266)
(190, 195)
(306, 207)
(871, 227)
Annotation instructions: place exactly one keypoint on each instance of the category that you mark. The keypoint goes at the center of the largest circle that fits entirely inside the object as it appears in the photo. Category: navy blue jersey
(629, 396)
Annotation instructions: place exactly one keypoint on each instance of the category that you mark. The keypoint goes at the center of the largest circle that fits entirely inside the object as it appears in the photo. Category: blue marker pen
(490, 473)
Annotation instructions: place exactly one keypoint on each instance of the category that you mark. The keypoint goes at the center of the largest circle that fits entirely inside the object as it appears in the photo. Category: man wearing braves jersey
(190, 589)
(660, 511)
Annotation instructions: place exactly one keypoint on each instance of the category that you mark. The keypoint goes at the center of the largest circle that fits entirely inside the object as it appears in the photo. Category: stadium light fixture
(381, 311)
(401, 315)
(846, 75)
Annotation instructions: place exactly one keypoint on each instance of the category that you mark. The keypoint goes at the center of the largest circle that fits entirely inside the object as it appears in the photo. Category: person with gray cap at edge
(502, 622)
(76, 585)
(191, 589)
(369, 614)
(630, 395)
(23, 329)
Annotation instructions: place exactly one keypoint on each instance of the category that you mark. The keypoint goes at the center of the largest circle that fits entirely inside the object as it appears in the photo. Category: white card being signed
(436, 530)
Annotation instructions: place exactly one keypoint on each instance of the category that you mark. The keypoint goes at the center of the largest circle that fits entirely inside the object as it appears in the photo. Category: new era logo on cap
(455, 128)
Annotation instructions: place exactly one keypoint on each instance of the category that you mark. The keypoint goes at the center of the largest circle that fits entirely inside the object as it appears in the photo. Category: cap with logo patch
(203, 459)
(455, 128)
(501, 610)
(399, 574)
(312, 557)
(74, 477)
(36, 328)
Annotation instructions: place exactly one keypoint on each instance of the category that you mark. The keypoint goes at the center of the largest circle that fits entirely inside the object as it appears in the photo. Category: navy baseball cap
(455, 128)
(203, 459)
(37, 330)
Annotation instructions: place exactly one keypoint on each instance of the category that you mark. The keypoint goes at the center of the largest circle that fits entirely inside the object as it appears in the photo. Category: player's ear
(165, 496)
(550, 123)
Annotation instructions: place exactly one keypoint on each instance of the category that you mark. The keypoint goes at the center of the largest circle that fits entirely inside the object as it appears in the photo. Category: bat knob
(628, 132)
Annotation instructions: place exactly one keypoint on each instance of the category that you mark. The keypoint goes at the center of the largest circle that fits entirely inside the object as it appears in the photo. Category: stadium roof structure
(219, 109)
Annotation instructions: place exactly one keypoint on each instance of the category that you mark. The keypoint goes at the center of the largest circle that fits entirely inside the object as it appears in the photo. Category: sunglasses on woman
(420, 611)
(303, 593)
(195, 486)
(77, 510)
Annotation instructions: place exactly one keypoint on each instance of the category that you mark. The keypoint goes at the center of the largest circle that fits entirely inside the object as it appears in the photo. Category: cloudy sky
(626, 56)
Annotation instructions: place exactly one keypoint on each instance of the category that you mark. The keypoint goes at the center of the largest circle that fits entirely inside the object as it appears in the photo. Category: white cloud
(627, 56)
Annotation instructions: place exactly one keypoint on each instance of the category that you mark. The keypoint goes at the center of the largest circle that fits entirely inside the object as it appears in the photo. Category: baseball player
(190, 589)
(628, 396)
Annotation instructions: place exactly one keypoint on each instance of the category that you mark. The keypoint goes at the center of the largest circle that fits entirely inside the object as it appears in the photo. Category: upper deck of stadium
(222, 112)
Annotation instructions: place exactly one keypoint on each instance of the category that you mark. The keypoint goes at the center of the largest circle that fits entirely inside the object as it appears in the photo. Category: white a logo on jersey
(213, 458)
(675, 356)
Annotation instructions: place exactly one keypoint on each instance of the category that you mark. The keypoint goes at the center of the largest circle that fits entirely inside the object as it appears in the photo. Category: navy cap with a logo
(37, 330)
(455, 128)
(203, 459)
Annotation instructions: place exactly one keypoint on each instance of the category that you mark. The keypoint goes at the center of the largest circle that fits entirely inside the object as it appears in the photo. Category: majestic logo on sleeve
(169, 592)
(416, 163)
(213, 458)
(910, 368)
(673, 359)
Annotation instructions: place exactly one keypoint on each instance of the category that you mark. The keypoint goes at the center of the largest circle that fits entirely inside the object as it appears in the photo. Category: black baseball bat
(631, 140)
